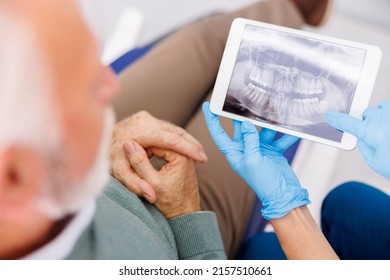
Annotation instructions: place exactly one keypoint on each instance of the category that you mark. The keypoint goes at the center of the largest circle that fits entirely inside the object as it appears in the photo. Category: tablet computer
(287, 79)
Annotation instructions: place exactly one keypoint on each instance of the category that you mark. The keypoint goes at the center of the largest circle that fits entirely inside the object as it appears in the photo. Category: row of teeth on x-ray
(257, 99)
(283, 81)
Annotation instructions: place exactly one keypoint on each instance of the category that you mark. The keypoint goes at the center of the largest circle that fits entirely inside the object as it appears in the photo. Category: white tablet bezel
(360, 101)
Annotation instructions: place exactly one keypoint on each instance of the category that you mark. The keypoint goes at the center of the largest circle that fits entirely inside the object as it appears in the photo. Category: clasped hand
(259, 160)
(174, 188)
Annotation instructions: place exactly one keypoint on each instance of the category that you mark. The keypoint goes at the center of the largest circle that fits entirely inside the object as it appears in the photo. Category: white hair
(26, 108)
(28, 118)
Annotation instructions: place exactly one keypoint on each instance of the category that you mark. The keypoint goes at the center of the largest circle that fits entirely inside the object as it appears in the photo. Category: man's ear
(22, 173)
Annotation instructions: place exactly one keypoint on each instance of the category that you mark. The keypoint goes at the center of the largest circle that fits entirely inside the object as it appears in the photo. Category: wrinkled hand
(373, 134)
(176, 184)
(148, 132)
(259, 161)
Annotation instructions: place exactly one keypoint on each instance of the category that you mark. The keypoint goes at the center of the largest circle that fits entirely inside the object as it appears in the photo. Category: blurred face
(83, 88)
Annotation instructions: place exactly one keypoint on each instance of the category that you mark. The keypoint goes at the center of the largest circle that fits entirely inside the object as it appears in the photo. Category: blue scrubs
(355, 218)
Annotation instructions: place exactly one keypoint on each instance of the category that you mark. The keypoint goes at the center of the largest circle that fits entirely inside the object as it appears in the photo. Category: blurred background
(124, 24)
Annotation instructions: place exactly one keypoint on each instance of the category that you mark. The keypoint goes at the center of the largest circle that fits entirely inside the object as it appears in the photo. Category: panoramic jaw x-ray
(293, 81)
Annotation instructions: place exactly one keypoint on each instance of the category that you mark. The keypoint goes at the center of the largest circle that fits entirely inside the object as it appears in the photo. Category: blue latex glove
(259, 160)
(373, 134)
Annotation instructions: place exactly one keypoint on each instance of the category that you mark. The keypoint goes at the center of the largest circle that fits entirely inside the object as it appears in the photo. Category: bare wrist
(184, 209)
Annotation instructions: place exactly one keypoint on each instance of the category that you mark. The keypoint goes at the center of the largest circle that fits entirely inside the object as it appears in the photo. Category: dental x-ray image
(292, 81)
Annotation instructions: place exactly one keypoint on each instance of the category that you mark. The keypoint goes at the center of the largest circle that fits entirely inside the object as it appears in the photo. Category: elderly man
(54, 132)
(53, 153)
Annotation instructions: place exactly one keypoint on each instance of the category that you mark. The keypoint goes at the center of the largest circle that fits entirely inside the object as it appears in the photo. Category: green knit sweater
(127, 227)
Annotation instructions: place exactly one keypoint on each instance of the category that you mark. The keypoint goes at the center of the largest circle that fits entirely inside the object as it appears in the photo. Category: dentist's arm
(372, 132)
(259, 160)
(300, 236)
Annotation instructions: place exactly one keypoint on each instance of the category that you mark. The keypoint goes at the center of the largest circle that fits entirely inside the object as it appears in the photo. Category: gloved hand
(373, 134)
(260, 162)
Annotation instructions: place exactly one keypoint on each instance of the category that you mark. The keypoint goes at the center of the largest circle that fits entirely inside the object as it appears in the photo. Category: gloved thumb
(215, 128)
(346, 123)
(251, 138)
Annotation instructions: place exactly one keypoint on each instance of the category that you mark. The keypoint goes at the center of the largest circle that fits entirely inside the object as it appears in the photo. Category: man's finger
(127, 176)
(172, 141)
(168, 156)
(145, 189)
(175, 142)
(162, 125)
(345, 122)
(140, 162)
(182, 132)
(219, 135)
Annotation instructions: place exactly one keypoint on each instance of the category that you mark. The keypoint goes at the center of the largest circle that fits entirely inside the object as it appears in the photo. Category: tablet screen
(292, 81)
